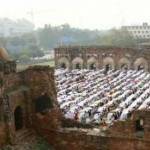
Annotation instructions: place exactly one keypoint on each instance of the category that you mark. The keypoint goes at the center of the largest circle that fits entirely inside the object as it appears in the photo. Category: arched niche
(92, 63)
(77, 63)
(124, 63)
(18, 116)
(108, 63)
(141, 64)
(43, 103)
(63, 63)
(139, 127)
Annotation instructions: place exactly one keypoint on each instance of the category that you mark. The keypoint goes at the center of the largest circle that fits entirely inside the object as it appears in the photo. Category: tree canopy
(49, 37)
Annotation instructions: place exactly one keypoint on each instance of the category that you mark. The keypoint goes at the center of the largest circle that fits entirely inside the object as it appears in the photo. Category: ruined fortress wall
(101, 56)
(39, 80)
(9, 87)
(20, 90)
(121, 136)
(79, 140)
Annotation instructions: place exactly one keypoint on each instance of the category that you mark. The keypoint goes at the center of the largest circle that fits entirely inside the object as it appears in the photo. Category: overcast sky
(92, 14)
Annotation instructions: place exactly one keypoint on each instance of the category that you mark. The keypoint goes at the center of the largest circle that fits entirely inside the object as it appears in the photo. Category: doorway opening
(18, 114)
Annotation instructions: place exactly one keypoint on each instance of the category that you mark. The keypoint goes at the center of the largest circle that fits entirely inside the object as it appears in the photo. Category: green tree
(24, 58)
(120, 38)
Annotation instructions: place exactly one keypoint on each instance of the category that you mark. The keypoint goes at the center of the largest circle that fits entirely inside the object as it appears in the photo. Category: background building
(139, 31)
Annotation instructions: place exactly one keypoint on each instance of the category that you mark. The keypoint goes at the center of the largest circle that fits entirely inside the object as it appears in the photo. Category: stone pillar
(8, 118)
(84, 58)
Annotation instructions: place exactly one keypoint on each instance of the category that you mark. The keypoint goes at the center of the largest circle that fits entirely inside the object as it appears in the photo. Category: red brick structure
(121, 136)
(23, 95)
(28, 101)
(98, 57)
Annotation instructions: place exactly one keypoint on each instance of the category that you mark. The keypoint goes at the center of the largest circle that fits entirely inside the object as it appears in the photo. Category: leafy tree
(24, 58)
(24, 45)
(120, 38)
(50, 37)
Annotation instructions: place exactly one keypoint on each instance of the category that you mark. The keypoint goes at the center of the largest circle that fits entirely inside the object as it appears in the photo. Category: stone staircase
(25, 139)
(23, 135)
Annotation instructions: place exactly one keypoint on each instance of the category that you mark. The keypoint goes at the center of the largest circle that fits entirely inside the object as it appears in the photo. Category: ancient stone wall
(98, 57)
(24, 88)
(121, 136)
(41, 80)
(18, 95)
(67, 139)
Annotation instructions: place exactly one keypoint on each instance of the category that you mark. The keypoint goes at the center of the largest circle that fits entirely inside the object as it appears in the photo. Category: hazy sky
(100, 14)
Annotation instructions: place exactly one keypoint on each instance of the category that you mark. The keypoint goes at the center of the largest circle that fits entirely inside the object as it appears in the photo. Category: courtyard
(97, 97)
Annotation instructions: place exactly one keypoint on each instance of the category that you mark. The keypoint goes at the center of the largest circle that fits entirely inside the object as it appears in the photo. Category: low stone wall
(87, 139)
(72, 123)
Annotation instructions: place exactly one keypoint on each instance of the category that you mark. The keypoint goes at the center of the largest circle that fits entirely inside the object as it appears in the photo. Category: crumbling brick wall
(121, 136)
(132, 56)
(21, 90)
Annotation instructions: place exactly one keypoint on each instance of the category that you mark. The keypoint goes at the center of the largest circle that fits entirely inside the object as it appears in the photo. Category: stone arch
(124, 63)
(63, 63)
(140, 124)
(43, 103)
(18, 116)
(141, 63)
(77, 63)
(92, 63)
(108, 63)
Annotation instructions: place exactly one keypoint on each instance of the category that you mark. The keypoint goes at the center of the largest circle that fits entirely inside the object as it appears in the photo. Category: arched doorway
(108, 63)
(63, 66)
(124, 67)
(78, 66)
(63, 63)
(92, 63)
(77, 63)
(43, 103)
(124, 63)
(141, 64)
(139, 125)
(18, 114)
(140, 67)
(92, 66)
(108, 67)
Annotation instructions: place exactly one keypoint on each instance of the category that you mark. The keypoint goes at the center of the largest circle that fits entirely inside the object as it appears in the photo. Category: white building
(139, 31)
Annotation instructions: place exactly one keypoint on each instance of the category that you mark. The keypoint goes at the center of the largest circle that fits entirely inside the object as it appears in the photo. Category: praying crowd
(94, 97)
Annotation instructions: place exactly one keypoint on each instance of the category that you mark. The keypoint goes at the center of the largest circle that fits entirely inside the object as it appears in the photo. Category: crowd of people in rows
(94, 96)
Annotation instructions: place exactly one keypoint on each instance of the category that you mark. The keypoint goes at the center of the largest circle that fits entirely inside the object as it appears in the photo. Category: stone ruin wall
(28, 85)
(100, 56)
(22, 89)
(121, 136)
(25, 87)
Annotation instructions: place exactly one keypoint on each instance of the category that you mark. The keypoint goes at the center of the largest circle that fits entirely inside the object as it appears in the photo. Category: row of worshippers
(94, 97)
